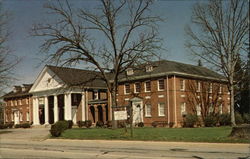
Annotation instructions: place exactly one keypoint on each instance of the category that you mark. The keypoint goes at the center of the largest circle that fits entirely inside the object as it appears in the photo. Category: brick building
(167, 91)
(18, 105)
(163, 91)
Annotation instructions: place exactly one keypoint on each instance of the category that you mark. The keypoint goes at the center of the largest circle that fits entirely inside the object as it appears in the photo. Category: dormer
(130, 71)
(149, 68)
(17, 89)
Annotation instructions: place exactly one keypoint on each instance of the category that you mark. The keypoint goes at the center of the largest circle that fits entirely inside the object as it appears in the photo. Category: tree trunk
(232, 105)
(113, 99)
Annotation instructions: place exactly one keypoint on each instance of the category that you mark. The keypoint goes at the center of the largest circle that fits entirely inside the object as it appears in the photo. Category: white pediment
(47, 80)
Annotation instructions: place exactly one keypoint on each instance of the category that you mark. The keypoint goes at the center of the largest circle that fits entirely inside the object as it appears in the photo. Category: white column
(55, 109)
(83, 107)
(46, 109)
(67, 107)
(35, 111)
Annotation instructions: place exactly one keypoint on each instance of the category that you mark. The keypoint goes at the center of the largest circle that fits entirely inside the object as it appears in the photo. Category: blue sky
(24, 13)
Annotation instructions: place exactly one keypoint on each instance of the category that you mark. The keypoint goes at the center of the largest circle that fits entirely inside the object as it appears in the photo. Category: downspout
(168, 101)
(175, 113)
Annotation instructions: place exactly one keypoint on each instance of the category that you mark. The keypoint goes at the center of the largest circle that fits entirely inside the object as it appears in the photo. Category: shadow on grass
(5, 132)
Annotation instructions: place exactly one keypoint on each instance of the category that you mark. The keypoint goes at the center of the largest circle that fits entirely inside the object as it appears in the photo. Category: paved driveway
(24, 134)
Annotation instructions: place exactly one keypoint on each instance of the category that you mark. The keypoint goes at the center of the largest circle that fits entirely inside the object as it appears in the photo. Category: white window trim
(220, 89)
(184, 106)
(210, 88)
(125, 88)
(145, 86)
(159, 109)
(148, 115)
(135, 87)
(27, 116)
(21, 116)
(198, 110)
(183, 83)
(199, 87)
(221, 108)
(159, 85)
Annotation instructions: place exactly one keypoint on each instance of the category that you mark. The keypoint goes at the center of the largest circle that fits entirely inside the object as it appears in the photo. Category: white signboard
(121, 115)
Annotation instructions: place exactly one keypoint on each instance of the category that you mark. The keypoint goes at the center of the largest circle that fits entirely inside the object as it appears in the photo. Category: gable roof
(164, 67)
(77, 77)
(19, 93)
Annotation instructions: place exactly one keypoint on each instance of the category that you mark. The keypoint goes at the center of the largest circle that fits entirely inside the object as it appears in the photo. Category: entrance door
(16, 117)
(73, 113)
(137, 112)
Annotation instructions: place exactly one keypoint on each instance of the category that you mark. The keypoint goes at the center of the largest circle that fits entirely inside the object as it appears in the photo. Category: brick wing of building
(165, 91)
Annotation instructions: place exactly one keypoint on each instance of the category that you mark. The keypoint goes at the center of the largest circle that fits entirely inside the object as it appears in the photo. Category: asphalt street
(19, 144)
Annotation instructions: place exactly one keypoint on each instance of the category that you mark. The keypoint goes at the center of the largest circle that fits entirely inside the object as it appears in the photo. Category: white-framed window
(198, 86)
(148, 110)
(198, 109)
(127, 88)
(27, 100)
(147, 86)
(183, 108)
(220, 89)
(19, 102)
(210, 88)
(228, 107)
(182, 84)
(27, 116)
(149, 68)
(21, 116)
(220, 109)
(6, 117)
(41, 101)
(11, 103)
(137, 87)
(95, 95)
(15, 102)
(161, 85)
(161, 109)
(210, 109)
(130, 71)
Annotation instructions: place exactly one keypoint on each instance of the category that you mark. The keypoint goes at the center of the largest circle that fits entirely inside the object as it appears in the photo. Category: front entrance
(41, 114)
(61, 106)
(51, 109)
(137, 112)
(16, 117)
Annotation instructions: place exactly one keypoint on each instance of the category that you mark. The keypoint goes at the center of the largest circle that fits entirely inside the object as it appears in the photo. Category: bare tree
(205, 97)
(112, 38)
(220, 30)
(7, 60)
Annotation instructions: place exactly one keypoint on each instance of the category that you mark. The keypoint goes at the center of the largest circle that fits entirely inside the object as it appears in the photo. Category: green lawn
(216, 134)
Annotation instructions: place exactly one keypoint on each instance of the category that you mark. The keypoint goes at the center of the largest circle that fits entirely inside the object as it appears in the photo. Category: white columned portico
(55, 108)
(67, 107)
(35, 111)
(46, 109)
(83, 107)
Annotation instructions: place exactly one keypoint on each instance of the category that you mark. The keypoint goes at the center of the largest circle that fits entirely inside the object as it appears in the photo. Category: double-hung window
(148, 110)
(137, 87)
(161, 85)
(161, 109)
(147, 86)
(182, 85)
(127, 88)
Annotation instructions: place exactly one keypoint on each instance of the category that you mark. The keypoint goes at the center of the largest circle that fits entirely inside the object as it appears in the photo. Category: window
(148, 110)
(228, 108)
(6, 117)
(210, 88)
(149, 68)
(198, 109)
(19, 102)
(127, 88)
(183, 108)
(130, 71)
(95, 95)
(161, 85)
(220, 108)
(198, 86)
(161, 109)
(41, 101)
(11, 103)
(182, 85)
(27, 116)
(27, 100)
(147, 86)
(210, 110)
(220, 89)
(21, 116)
(15, 102)
(12, 116)
(137, 87)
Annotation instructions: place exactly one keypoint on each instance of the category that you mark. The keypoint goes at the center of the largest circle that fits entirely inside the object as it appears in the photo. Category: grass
(215, 134)
(5, 132)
